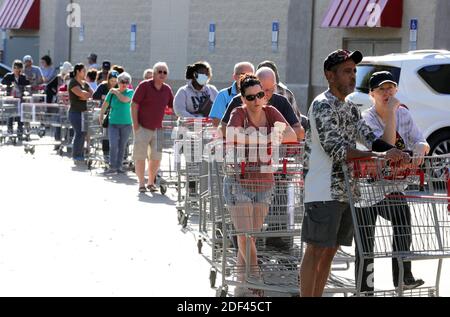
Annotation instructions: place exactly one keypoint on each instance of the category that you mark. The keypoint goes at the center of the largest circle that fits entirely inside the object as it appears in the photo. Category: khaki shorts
(146, 145)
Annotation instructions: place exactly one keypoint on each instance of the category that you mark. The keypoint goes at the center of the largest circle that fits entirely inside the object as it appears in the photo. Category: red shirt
(152, 103)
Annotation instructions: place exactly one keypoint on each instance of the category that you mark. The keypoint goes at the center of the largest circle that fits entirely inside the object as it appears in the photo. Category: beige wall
(169, 35)
(326, 40)
(243, 33)
(107, 33)
(47, 28)
(176, 31)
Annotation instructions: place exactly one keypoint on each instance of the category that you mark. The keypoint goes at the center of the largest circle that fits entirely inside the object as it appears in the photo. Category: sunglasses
(124, 82)
(259, 95)
(162, 72)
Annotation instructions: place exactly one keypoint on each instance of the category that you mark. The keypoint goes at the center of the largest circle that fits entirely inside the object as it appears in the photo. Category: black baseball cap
(106, 65)
(340, 56)
(381, 78)
(92, 56)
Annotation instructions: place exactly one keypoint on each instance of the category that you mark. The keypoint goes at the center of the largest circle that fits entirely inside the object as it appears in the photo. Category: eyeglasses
(162, 72)
(259, 95)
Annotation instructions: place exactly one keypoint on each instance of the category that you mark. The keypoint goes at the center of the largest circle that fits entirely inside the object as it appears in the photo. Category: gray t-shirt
(34, 75)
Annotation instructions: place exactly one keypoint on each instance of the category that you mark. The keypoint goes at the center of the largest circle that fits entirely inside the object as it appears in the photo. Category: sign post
(81, 36)
(212, 37)
(133, 37)
(275, 33)
(413, 29)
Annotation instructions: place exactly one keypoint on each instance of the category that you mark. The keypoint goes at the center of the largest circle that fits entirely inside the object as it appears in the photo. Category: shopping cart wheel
(32, 150)
(222, 292)
(163, 189)
(199, 246)
(41, 133)
(14, 141)
(184, 221)
(89, 164)
(212, 278)
(179, 216)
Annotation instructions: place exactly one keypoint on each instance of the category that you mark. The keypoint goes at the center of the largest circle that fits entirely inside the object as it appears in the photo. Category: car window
(365, 71)
(437, 77)
(3, 72)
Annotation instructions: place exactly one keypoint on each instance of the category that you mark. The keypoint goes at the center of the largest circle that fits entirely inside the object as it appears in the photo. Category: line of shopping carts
(245, 203)
(207, 187)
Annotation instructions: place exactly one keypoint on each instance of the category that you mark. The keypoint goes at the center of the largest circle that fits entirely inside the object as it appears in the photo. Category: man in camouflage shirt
(335, 127)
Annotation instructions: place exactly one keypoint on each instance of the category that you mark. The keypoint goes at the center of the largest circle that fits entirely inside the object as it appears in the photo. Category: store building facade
(296, 34)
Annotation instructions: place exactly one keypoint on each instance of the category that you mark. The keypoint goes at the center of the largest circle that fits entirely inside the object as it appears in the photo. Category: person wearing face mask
(196, 98)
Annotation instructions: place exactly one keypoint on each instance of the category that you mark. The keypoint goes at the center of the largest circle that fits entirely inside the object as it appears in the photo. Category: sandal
(152, 188)
(142, 189)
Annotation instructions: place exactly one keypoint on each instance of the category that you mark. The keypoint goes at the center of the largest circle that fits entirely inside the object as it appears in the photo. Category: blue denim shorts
(235, 194)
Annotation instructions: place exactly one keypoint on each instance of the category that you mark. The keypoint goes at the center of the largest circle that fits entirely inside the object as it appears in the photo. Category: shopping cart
(415, 200)
(9, 108)
(40, 115)
(255, 179)
(190, 137)
(34, 127)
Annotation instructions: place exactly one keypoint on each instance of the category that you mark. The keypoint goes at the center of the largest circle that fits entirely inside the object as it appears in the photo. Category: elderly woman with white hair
(148, 74)
(120, 122)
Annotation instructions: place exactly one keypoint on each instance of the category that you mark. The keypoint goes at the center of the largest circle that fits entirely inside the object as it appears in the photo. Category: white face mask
(202, 79)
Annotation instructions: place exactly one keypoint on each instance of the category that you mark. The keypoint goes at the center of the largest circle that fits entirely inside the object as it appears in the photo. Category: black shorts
(328, 224)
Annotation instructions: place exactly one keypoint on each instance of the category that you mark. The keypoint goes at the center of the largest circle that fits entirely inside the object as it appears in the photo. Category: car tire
(440, 143)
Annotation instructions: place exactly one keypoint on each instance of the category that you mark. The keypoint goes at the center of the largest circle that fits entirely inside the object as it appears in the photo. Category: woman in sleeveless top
(248, 196)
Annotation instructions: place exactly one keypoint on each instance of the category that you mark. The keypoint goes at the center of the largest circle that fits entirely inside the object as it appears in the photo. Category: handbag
(105, 122)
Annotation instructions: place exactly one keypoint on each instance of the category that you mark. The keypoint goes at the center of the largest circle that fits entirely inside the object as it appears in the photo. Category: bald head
(244, 68)
(268, 81)
(266, 73)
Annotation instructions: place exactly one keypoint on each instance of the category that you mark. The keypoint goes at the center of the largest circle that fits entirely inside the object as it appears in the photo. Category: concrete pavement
(65, 231)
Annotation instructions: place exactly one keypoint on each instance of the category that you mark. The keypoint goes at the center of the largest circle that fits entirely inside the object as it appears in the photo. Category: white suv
(424, 87)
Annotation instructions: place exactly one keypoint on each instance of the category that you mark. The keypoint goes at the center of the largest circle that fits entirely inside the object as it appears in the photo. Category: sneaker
(278, 243)
(110, 171)
(121, 171)
(411, 283)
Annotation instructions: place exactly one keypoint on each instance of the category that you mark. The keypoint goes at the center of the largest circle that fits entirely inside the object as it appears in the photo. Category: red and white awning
(364, 13)
(20, 14)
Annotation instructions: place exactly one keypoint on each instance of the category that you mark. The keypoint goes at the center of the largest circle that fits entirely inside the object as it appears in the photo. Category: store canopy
(20, 14)
(364, 13)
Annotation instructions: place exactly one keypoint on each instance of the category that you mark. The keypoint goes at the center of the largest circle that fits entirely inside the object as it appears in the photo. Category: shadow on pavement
(80, 167)
(155, 198)
(124, 179)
